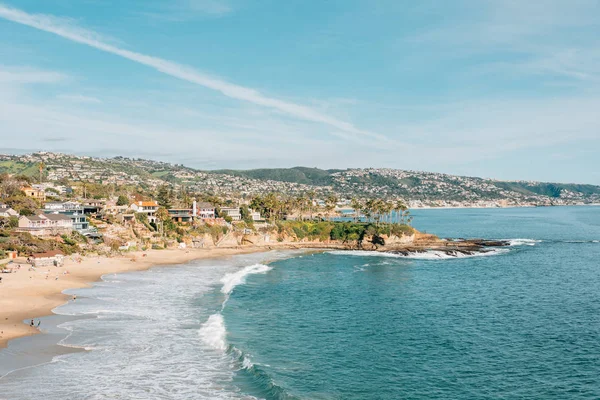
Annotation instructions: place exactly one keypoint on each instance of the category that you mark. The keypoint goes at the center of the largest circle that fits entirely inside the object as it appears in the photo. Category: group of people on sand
(33, 324)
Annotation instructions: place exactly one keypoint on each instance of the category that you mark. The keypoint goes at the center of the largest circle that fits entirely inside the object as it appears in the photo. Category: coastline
(27, 294)
(31, 294)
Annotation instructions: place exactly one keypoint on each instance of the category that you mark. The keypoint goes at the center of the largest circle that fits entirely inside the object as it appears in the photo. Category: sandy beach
(28, 294)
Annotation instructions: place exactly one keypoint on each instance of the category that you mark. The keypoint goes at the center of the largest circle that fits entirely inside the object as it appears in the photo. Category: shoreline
(31, 294)
(28, 294)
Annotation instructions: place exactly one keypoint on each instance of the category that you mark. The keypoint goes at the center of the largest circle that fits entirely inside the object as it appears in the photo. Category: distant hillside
(415, 187)
(303, 175)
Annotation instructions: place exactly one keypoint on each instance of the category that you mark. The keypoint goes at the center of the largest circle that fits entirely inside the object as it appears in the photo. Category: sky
(504, 89)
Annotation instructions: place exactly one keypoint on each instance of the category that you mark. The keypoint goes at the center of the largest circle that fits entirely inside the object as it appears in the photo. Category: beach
(29, 294)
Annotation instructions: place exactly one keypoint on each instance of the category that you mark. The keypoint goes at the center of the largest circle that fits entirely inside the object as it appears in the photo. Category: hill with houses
(416, 188)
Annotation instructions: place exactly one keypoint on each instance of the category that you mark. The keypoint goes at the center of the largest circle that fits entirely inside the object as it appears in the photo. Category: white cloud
(28, 75)
(67, 31)
(79, 98)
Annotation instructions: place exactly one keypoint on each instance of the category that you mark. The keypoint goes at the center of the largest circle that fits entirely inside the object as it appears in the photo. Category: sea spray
(213, 332)
(230, 281)
(522, 242)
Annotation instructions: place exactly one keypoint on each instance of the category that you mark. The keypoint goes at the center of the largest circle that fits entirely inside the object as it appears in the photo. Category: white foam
(213, 332)
(522, 242)
(230, 281)
(425, 255)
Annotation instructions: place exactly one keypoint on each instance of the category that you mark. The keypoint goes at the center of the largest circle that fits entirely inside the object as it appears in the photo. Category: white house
(6, 211)
(233, 212)
(255, 215)
(205, 210)
(147, 207)
(45, 224)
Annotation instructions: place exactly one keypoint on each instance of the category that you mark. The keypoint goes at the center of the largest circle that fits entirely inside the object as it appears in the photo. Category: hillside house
(71, 209)
(181, 214)
(255, 215)
(45, 224)
(38, 194)
(233, 212)
(7, 212)
(147, 207)
(205, 210)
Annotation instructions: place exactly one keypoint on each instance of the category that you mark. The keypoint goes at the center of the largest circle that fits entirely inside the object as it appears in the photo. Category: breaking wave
(522, 242)
(230, 281)
(213, 333)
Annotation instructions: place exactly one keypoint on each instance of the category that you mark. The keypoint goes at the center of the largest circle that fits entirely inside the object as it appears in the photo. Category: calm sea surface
(520, 324)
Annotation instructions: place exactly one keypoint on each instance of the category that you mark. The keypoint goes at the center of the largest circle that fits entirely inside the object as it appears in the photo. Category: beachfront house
(71, 209)
(48, 259)
(205, 210)
(45, 224)
(181, 214)
(233, 212)
(147, 207)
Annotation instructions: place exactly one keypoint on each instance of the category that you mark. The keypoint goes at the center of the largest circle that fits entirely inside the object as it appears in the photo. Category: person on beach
(31, 324)
(39, 322)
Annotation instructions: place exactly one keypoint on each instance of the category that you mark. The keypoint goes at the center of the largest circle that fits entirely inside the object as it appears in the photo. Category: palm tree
(400, 208)
(311, 197)
(356, 206)
(330, 204)
(162, 215)
(41, 167)
(369, 209)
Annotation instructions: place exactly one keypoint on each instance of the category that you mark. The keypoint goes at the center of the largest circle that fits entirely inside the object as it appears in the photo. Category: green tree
(122, 200)
(164, 196)
(245, 212)
(162, 215)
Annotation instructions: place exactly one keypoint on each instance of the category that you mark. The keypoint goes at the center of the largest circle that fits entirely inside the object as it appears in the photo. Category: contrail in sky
(67, 30)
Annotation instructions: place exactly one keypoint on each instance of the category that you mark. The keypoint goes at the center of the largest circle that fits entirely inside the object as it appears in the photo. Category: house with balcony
(205, 210)
(71, 209)
(45, 224)
(147, 207)
(181, 214)
(233, 212)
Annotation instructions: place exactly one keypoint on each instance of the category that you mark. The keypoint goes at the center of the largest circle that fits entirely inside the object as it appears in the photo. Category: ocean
(522, 322)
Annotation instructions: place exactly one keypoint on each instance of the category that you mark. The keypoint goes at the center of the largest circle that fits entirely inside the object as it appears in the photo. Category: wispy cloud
(185, 10)
(25, 75)
(79, 98)
(68, 31)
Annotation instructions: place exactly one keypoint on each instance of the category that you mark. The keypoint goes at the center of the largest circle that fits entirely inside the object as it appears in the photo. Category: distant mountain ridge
(416, 187)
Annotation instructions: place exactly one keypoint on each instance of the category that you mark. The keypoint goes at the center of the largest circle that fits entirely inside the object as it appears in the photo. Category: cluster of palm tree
(277, 206)
(378, 210)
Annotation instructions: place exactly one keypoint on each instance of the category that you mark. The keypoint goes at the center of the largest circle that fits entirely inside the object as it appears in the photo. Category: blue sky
(503, 89)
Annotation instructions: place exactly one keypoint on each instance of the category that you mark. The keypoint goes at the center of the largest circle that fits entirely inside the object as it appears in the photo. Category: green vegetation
(308, 176)
(346, 232)
(122, 200)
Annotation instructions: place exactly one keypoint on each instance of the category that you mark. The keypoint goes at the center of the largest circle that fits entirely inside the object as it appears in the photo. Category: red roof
(48, 254)
(147, 203)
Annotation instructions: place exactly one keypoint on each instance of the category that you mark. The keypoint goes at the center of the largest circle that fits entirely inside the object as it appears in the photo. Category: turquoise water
(523, 323)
